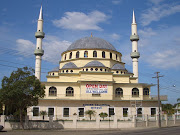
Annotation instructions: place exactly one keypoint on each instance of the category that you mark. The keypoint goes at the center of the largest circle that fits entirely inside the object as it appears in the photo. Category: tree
(90, 113)
(43, 113)
(178, 99)
(21, 90)
(168, 108)
(103, 115)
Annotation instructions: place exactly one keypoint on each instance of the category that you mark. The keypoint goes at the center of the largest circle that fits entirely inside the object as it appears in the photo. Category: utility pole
(159, 102)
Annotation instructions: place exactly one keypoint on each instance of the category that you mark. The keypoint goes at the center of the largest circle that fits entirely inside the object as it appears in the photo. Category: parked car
(1, 127)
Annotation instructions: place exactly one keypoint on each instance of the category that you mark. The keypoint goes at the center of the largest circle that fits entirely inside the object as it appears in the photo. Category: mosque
(92, 76)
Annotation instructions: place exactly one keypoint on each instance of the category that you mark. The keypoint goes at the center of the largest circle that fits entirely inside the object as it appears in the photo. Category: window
(66, 112)
(103, 54)
(119, 92)
(125, 112)
(52, 91)
(91, 69)
(94, 53)
(86, 69)
(100, 69)
(85, 54)
(110, 55)
(71, 71)
(116, 56)
(81, 112)
(35, 111)
(65, 57)
(139, 112)
(111, 111)
(135, 92)
(50, 111)
(70, 55)
(146, 91)
(117, 72)
(96, 69)
(69, 91)
(66, 71)
(153, 112)
(77, 54)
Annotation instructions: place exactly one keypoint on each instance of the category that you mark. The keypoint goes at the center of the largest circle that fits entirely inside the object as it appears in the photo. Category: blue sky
(68, 20)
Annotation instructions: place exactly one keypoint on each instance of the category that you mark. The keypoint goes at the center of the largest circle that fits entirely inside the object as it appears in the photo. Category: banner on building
(96, 88)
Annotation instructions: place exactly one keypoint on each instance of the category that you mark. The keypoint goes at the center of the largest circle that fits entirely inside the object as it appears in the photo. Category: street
(149, 131)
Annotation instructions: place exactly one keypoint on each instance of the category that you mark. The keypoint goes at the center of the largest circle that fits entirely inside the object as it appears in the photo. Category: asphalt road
(149, 131)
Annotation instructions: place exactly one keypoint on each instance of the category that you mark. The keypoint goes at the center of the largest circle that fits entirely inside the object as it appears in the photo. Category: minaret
(135, 54)
(39, 52)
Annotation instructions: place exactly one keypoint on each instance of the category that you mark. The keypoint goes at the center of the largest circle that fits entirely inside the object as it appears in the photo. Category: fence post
(147, 121)
(74, 121)
(97, 121)
(166, 118)
(157, 120)
(115, 121)
(134, 120)
(3, 120)
(174, 118)
(26, 122)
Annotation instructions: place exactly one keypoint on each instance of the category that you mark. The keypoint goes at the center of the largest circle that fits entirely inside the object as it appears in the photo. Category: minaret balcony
(39, 52)
(39, 34)
(135, 55)
(134, 37)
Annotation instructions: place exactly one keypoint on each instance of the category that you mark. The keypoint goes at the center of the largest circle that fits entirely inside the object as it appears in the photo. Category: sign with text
(96, 88)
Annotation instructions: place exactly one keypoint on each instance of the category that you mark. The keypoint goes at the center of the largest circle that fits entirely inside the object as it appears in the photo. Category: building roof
(118, 66)
(94, 64)
(69, 65)
(91, 43)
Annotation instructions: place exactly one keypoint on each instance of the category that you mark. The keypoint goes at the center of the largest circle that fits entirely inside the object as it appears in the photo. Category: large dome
(91, 43)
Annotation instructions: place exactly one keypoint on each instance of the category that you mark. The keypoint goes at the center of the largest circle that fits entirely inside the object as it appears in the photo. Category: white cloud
(156, 2)
(116, 2)
(161, 49)
(52, 47)
(157, 12)
(25, 47)
(115, 36)
(81, 21)
(165, 59)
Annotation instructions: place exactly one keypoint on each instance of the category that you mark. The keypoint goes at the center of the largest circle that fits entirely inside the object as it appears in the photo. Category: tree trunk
(21, 120)
(90, 117)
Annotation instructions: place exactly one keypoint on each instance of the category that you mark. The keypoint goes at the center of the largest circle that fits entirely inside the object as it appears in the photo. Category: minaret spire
(134, 39)
(134, 19)
(39, 51)
(41, 14)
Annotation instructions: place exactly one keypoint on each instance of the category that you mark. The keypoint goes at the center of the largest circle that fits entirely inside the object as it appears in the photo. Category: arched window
(94, 53)
(69, 91)
(77, 54)
(103, 54)
(135, 92)
(116, 57)
(85, 54)
(110, 55)
(52, 91)
(70, 55)
(146, 91)
(119, 92)
(65, 57)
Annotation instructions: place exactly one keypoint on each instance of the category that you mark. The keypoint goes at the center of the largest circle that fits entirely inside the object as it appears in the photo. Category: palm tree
(103, 115)
(90, 113)
(43, 113)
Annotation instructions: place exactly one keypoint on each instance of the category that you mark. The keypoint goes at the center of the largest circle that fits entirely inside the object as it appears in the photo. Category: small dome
(91, 43)
(94, 64)
(118, 66)
(69, 65)
(56, 69)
